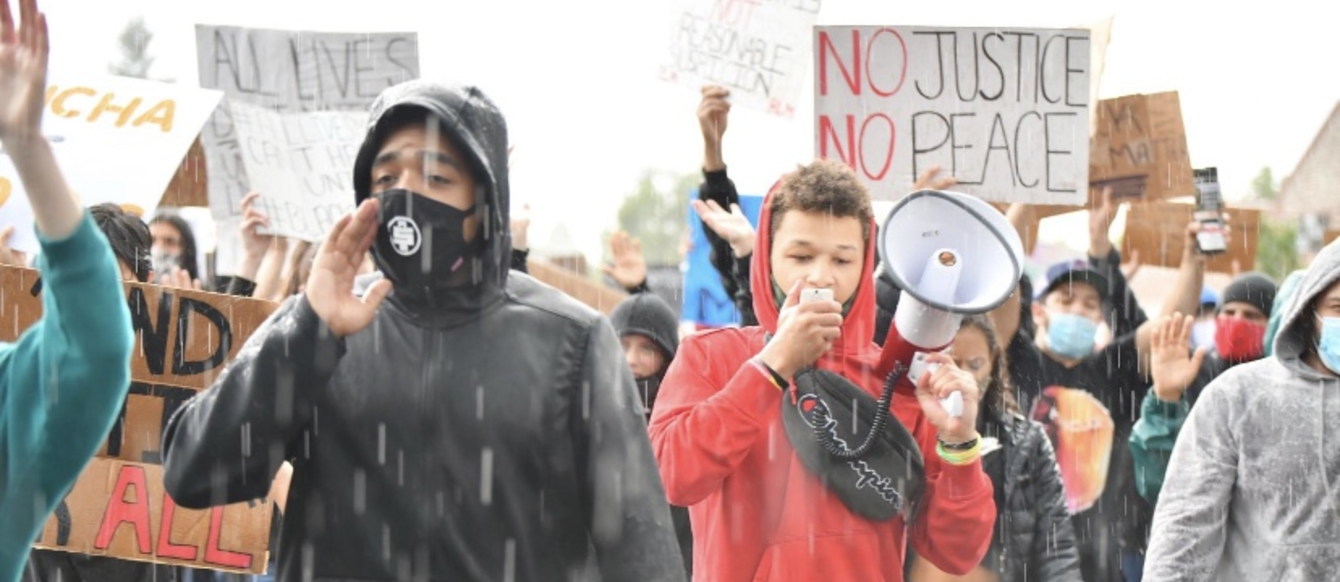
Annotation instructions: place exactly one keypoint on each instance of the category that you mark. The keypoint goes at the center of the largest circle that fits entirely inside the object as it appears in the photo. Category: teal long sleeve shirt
(1152, 441)
(62, 385)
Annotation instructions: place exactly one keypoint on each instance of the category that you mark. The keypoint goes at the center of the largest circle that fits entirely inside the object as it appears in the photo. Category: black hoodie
(497, 437)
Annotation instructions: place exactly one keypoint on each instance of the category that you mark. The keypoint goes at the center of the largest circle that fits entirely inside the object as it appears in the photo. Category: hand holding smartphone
(1209, 205)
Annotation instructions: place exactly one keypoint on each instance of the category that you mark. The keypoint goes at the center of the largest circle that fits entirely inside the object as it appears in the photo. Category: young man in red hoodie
(757, 512)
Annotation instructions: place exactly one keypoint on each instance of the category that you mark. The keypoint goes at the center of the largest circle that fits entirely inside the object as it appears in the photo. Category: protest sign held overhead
(289, 72)
(118, 507)
(1139, 148)
(758, 50)
(1157, 231)
(151, 123)
(1006, 111)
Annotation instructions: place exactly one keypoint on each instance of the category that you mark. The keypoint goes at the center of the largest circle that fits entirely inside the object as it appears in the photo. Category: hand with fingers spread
(931, 180)
(1171, 364)
(939, 383)
(732, 226)
(628, 267)
(713, 112)
(805, 332)
(336, 265)
(23, 73)
(180, 279)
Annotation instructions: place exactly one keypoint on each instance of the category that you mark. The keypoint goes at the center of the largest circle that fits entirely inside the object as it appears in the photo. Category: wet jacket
(61, 385)
(1035, 541)
(1251, 489)
(498, 437)
(758, 514)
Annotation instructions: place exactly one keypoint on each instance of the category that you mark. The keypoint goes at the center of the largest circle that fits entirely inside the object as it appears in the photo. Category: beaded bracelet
(960, 457)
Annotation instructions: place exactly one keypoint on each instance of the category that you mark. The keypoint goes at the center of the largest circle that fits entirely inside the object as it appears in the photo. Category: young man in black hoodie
(478, 425)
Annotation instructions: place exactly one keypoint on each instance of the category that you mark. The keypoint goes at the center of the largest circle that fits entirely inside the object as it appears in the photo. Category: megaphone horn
(951, 254)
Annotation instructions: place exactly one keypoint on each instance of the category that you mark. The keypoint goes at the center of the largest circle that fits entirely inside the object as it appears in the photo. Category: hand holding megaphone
(806, 330)
(936, 389)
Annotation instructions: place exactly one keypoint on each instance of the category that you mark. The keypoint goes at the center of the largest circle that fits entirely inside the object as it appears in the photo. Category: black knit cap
(1253, 289)
(648, 315)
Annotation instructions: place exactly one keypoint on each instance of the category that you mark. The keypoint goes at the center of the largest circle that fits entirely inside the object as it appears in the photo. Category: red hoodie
(757, 513)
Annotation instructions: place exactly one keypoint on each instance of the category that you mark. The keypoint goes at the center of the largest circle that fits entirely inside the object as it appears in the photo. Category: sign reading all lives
(1005, 111)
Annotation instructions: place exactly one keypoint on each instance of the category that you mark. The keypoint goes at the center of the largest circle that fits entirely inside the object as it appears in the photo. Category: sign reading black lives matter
(1005, 111)
(289, 138)
(758, 49)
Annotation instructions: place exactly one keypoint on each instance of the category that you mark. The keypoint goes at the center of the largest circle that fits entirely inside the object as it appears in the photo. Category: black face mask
(421, 244)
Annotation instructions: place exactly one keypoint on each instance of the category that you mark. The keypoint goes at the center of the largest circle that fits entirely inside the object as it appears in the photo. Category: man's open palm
(1171, 366)
(330, 286)
(629, 266)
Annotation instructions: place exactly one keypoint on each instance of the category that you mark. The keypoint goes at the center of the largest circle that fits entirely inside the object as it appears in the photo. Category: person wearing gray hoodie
(1253, 485)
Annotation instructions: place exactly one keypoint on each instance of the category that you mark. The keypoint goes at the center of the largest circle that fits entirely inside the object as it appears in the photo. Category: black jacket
(494, 438)
(1034, 540)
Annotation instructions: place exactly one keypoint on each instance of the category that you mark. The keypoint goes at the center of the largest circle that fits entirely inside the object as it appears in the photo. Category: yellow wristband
(959, 457)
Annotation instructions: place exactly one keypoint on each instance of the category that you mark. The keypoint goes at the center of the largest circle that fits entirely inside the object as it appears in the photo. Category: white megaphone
(951, 255)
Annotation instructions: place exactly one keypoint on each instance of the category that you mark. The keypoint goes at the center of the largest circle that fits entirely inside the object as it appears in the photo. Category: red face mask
(1239, 340)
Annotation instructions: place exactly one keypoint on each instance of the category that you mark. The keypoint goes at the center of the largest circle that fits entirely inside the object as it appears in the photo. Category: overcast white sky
(577, 80)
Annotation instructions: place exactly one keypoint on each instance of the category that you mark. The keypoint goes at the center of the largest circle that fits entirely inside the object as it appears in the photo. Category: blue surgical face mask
(1328, 348)
(1070, 335)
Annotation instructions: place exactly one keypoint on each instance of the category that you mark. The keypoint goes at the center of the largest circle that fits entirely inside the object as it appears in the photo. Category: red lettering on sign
(167, 549)
(120, 511)
(219, 556)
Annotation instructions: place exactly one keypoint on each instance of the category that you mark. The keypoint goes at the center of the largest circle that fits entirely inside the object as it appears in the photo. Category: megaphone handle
(953, 404)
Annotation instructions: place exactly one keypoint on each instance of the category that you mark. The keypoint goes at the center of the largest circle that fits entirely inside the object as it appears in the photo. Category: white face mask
(1202, 333)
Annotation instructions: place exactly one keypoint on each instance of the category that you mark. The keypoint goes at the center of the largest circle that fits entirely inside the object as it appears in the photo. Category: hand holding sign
(23, 71)
(713, 112)
(336, 265)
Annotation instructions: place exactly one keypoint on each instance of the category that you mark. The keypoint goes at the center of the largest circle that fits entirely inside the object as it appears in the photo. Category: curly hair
(823, 186)
(999, 396)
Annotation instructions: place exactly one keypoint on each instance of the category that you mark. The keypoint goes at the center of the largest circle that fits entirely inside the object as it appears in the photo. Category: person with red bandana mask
(720, 436)
(1180, 375)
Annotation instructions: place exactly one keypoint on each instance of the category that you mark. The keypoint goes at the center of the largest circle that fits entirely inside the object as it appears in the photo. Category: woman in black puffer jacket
(1034, 540)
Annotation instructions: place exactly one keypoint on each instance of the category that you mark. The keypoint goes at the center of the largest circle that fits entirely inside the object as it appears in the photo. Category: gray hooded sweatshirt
(1253, 485)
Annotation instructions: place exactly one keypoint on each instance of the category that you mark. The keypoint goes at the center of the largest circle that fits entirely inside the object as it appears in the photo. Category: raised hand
(713, 112)
(629, 267)
(1132, 265)
(805, 331)
(9, 256)
(329, 287)
(253, 219)
(931, 180)
(181, 279)
(23, 71)
(939, 383)
(1171, 365)
(1100, 222)
(733, 227)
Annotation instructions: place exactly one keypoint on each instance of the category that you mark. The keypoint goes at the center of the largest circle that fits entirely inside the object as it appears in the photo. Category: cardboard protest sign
(1158, 231)
(705, 301)
(590, 293)
(119, 509)
(758, 50)
(190, 185)
(116, 139)
(300, 162)
(184, 339)
(1139, 148)
(1003, 110)
(289, 71)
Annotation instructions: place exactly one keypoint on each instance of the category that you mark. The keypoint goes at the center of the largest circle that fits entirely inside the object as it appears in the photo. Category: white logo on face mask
(405, 235)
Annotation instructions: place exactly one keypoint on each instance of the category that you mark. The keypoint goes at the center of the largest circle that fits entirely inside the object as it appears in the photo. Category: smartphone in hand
(1209, 206)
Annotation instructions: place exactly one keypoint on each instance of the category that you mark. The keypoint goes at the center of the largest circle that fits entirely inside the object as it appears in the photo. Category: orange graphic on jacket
(1081, 430)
